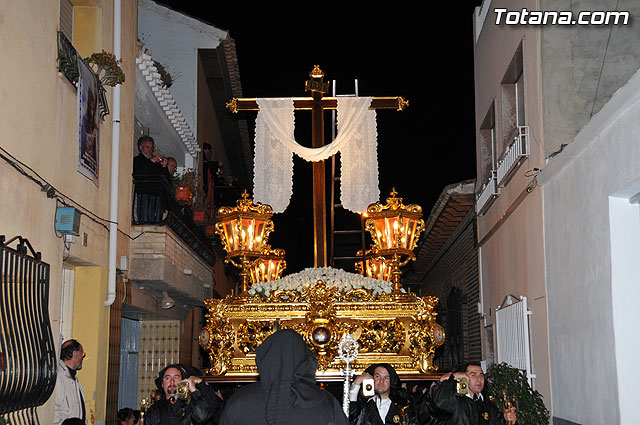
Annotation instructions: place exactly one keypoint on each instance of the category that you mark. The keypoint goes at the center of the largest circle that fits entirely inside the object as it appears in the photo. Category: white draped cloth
(275, 145)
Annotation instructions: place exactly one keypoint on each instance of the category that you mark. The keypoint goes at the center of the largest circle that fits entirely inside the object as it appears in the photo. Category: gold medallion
(486, 416)
(396, 419)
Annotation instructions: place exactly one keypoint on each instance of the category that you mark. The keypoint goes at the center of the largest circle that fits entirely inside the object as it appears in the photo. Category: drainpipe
(115, 160)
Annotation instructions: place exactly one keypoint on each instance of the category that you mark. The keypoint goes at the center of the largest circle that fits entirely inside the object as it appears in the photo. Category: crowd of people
(286, 393)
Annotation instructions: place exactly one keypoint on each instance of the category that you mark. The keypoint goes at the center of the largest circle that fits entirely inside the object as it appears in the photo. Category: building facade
(541, 88)
(71, 196)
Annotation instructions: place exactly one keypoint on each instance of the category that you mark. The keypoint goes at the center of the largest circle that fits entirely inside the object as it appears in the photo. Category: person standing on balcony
(69, 393)
(148, 172)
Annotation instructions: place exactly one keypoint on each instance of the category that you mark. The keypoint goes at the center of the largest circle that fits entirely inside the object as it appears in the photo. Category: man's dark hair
(73, 421)
(68, 348)
(206, 146)
(124, 414)
(183, 375)
(463, 367)
(143, 139)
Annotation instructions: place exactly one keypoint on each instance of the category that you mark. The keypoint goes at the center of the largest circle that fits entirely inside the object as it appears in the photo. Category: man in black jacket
(286, 393)
(149, 170)
(386, 406)
(473, 408)
(170, 409)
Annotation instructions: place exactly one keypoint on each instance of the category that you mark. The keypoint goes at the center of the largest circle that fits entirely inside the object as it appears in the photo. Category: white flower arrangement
(341, 279)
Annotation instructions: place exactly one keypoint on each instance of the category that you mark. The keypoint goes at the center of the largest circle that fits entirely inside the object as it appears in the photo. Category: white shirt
(383, 404)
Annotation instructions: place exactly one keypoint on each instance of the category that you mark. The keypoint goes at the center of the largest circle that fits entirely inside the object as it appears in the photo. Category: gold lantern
(269, 266)
(374, 266)
(244, 230)
(395, 229)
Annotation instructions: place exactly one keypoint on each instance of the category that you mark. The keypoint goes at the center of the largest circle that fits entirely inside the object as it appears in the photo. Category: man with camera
(182, 401)
(374, 398)
(458, 400)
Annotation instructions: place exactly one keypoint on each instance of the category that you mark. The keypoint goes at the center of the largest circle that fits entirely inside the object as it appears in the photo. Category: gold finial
(402, 104)
(316, 72)
(316, 84)
(232, 105)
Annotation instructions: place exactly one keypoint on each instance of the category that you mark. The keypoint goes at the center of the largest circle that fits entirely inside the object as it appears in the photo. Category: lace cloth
(356, 141)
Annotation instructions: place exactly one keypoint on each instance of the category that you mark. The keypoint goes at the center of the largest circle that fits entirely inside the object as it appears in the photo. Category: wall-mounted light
(166, 302)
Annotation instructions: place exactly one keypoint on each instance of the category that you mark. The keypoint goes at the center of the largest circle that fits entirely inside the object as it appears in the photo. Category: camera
(367, 387)
(183, 390)
(462, 386)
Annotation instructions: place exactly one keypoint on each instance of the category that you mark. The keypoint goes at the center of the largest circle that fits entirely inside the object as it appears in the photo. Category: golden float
(323, 304)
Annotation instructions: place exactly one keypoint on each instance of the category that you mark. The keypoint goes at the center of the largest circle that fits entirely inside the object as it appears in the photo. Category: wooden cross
(317, 104)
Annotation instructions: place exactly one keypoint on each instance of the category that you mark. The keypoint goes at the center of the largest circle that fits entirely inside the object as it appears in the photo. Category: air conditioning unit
(513, 156)
(67, 221)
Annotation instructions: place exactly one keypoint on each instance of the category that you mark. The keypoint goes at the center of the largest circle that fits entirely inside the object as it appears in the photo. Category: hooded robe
(286, 393)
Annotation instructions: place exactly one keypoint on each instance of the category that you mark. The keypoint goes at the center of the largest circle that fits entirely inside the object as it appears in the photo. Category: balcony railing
(487, 194)
(154, 203)
(68, 65)
(513, 156)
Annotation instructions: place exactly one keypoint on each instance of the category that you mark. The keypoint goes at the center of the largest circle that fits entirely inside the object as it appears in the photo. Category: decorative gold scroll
(399, 330)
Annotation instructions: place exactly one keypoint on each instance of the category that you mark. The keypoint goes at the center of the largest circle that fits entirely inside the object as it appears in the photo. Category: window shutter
(66, 19)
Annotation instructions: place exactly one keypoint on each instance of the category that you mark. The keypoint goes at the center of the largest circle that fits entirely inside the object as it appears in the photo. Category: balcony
(514, 155)
(169, 252)
(487, 195)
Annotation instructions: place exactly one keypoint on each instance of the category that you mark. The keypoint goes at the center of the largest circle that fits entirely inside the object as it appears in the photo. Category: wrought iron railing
(154, 203)
(27, 352)
(68, 65)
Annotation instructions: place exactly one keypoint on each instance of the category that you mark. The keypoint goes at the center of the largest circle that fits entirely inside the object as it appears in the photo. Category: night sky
(424, 54)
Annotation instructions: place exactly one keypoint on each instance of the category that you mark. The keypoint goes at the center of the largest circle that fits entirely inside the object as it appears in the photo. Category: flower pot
(184, 195)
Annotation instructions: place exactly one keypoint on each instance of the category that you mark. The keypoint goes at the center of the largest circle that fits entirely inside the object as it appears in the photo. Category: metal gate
(512, 334)
(27, 352)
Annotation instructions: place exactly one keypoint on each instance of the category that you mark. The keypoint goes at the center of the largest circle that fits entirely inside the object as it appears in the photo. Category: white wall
(173, 39)
(587, 337)
(625, 291)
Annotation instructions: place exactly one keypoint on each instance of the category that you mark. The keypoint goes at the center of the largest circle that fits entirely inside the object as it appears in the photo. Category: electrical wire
(61, 198)
(604, 57)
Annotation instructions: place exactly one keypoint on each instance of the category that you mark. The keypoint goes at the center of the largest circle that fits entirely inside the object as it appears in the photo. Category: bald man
(69, 393)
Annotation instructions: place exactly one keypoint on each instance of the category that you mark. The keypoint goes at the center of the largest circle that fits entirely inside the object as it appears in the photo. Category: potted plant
(199, 207)
(107, 68)
(185, 187)
(504, 381)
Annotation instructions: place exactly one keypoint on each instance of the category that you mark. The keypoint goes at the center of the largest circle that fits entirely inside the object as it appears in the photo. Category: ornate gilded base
(396, 329)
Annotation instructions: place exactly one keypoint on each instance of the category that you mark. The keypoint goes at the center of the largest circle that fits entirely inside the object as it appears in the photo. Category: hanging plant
(107, 68)
(165, 76)
(529, 404)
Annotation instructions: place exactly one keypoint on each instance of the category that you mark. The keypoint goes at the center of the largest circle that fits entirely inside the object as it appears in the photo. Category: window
(512, 99)
(79, 23)
(66, 19)
(487, 146)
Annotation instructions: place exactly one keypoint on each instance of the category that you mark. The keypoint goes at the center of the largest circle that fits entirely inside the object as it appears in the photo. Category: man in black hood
(170, 409)
(286, 393)
(386, 406)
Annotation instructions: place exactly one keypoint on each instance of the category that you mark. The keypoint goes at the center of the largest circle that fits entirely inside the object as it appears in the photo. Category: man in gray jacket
(69, 394)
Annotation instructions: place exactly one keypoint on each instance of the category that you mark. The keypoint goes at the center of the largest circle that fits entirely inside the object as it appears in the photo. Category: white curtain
(275, 145)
